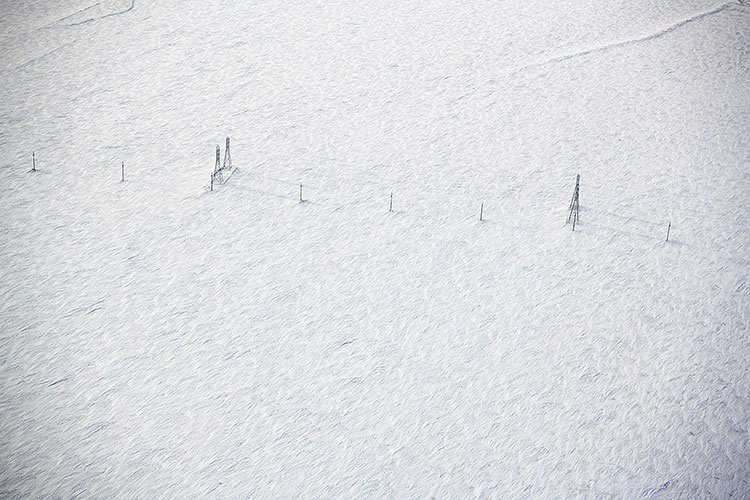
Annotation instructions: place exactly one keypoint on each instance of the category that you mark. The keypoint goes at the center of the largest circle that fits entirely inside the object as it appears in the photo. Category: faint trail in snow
(634, 41)
(38, 58)
(88, 16)
(94, 18)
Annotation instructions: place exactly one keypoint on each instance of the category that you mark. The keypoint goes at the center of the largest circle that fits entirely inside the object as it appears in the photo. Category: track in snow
(634, 41)
(88, 15)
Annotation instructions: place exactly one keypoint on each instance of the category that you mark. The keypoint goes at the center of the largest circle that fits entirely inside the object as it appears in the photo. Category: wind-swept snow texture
(160, 341)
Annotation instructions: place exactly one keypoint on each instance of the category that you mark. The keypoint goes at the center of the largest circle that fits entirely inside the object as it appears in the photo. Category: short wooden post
(668, 228)
(390, 207)
(33, 161)
(123, 172)
(481, 212)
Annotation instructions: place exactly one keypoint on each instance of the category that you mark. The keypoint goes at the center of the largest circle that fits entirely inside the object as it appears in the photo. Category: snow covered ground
(161, 341)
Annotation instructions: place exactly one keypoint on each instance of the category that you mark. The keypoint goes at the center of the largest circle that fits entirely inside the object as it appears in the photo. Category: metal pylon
(574, 204)
(227, 157)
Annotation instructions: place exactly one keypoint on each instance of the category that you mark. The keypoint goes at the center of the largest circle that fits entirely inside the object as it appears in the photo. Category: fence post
(33, 161)
(300, 192)
(390, 207)
(668, 228)
(481, 212)
(212, 182)
(123, 172)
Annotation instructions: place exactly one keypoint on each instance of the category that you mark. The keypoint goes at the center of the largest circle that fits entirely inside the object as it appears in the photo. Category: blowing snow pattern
(161, 341)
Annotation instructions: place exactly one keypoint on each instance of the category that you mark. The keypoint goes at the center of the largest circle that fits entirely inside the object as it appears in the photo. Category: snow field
(159, 341)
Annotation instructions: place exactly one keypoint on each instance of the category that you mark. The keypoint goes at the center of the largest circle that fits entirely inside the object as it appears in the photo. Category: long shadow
(265, 177)
(622, 217)
(260, 191)
(632, 234)
(303, 202)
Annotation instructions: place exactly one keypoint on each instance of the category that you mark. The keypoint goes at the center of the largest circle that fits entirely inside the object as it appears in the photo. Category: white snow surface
(161, 341)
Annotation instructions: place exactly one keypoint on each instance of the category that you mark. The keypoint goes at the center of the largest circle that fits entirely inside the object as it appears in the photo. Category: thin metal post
(33, 161)
(390, 207)
(300, 192)
(123, 172)
(481, 212)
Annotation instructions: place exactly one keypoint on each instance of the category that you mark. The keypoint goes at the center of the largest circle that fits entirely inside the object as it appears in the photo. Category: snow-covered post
(481, 212)
(300, 192)
(668, 228)
(218, 159)
(33, 161)
(390, 206)
(123, 172)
